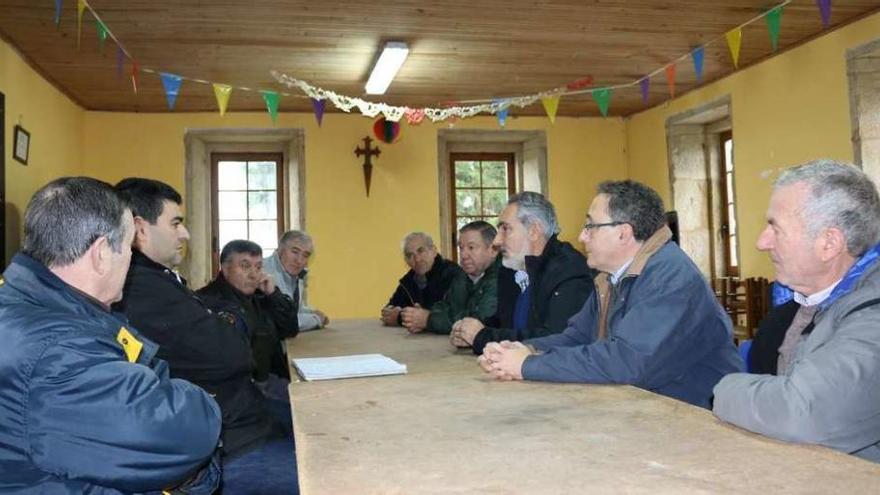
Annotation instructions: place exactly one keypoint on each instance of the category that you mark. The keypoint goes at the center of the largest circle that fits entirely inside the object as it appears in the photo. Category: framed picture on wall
(22, 144)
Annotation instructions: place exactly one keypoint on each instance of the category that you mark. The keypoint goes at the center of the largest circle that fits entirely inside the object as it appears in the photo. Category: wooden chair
(745, 301)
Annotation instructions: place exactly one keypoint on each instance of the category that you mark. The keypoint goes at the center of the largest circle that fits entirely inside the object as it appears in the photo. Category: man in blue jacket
(652, 322)
(85, 405)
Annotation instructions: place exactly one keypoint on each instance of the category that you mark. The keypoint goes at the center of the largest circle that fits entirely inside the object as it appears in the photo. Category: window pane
(231, 176)
(264, 233)
(232, 206)
(728, 154)
(467, 174)
(492, 220)
(494, 200)
(467, 202)
(733, 259)
(495, 174)
(231, 230)
(462, 221)
(729, 187)
(261, 175)
(262, 206)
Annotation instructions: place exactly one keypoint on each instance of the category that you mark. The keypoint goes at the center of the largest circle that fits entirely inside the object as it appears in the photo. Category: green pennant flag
(774, 18)
(603, 98)
(271, 99)
(102, 35)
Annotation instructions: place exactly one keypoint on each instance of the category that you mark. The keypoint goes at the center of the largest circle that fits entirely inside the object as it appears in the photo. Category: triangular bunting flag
(644, 87)
(824, 11)
(80, 8)
(221, 92)
(318, 107)
(271, 98)
(603, 98)
(774, 18)
(102, 35)
(134, 76)
(502, 116)
(670, 79)
(697, 56)
(171, 83)
(551, 104)
(57, 12)
(734, 41)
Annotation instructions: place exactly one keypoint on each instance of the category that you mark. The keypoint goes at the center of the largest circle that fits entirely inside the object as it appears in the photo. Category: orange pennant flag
(734, 41)
(670, 79)
(80, 8)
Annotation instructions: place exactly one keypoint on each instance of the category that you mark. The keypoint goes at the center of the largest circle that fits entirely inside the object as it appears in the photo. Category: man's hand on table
(503, 360)
(389, 315)
(415, 318)
(464, 331)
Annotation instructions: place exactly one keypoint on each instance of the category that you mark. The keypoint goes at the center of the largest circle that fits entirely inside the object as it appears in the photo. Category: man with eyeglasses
(653, 321)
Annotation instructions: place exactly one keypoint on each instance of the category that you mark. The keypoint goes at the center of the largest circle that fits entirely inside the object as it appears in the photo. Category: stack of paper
(329, 368)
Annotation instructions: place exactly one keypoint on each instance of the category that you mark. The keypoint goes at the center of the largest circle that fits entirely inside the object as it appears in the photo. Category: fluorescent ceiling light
(386, 67)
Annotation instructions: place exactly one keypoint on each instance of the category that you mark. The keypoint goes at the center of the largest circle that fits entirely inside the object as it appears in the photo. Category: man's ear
(99, 256)
(140, 231)
(626, 232)
(831, 243)
(535, 232)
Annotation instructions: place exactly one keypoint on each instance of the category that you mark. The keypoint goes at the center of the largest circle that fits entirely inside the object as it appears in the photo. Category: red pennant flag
(670, 79)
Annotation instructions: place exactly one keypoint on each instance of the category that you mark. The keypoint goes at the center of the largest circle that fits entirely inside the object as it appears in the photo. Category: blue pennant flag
(57, 12)
(697, 55)
(502, 112)
(171, 82)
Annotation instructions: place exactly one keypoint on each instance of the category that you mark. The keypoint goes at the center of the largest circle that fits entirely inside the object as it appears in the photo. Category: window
(481, 184)
(247, 200)
(728, 206)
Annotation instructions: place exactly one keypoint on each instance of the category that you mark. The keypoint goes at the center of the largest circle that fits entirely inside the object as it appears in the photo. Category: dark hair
(66, 216)
(145, 197)
(635, 204)
(240, 246)
(486, 230)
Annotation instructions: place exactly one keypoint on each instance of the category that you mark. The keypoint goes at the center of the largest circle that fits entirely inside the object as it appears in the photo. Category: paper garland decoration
(385, 130)
(414, 116)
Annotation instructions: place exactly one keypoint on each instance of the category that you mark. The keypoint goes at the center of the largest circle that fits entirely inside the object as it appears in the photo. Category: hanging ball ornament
(386, 131)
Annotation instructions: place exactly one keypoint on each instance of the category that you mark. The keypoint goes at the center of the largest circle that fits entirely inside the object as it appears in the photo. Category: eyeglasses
(590, 226)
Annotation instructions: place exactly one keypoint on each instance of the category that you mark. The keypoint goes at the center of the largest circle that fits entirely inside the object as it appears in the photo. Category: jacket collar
(142, 260)
(536, 263)
(32, 277)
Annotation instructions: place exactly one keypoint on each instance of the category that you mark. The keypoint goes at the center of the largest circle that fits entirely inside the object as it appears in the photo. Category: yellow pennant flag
(222, 92)
(734, 41)
(551, 103)
(80, 8)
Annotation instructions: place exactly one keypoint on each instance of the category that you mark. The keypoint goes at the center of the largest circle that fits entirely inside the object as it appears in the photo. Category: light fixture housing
(386, 67)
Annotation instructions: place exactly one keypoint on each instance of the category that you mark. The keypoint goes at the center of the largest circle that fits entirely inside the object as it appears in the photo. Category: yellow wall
(787, 110)
(357, 260)
(54, 123)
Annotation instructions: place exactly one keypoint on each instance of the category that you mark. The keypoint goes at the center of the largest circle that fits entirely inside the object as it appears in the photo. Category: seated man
(200, 345)
(85, 404)
(269, 315)
(823, 236)
(652, 322)
(475, 295)
(427, 281)
(288, 267)
(552, 279)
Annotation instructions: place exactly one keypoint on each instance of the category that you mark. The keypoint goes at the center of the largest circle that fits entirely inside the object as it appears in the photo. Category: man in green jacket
(475, 295)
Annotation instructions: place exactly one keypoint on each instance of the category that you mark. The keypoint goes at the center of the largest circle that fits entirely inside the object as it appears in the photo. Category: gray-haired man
(288, 267)
(823, 236)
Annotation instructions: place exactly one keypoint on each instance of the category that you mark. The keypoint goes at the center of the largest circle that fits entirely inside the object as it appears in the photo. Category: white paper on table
(358, 365)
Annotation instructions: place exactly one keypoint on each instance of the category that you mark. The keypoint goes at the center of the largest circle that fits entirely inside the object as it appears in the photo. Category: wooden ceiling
(460, 50)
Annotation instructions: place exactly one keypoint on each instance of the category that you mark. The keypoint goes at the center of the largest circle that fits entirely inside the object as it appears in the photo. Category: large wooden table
(445, 427)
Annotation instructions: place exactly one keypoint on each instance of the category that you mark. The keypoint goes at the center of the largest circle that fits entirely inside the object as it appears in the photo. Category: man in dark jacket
(427, 281)
(652, 322)
(552, 279)
(475, 295)
(270, 316)
(85, 404)
(200, 345)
